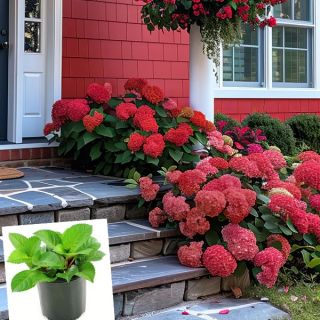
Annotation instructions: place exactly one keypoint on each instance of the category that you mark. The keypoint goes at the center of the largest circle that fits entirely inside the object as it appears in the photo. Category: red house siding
(278, 108)
(105, 41)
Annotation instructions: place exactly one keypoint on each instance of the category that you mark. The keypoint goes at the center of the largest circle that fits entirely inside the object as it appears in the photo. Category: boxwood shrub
(306, 130)
(277, 132)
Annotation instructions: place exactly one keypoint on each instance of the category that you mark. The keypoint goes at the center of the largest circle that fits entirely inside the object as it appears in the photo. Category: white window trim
(269, 92)
(15, 65)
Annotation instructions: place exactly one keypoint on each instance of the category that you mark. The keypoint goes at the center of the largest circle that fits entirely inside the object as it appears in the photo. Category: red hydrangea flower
(219, 261)
(211, 203)
(136, 141)
(153, 94)
(238, 207)
(309, 155)
(219, 163)
(179, 136)
(314, 201)
(144, 119)
(98, 93)
(206, 167)
(276, 158)
(285, 245)
(209, 127)
(175, 207)
(169, 104)
(173, 176)
(190, 255)
(195, 223)
(190, 181)
(157, 217)
(242, 243)
(300, 220)
(224, 182)
(250, 195)
(199, 119)
(314, 225)
(91, 122)
(308, 173)
(135, 84)
(154, 146)
(49, 128)
(290, 187)
(254, 148)
(216, 141)
(270, 260)
(60, 112)
(125, 110)
(77, 109)
(149, 190)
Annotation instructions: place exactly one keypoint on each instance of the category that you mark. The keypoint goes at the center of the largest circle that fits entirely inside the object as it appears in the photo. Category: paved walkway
(219, 308)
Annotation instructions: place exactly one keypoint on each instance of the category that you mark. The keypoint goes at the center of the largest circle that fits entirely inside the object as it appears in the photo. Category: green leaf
(86, 271)
(75, 236)
(254, 213)
(212, 237)
(88, 137)
(310, 238)
(95, 152)
(201, 138)
(161, 112)
(18, 256)
(49, 260)
(285, 230)
(27, 279)
(291, 227)
(17, 240)
(131, 181)
(241, 269)
(124, 157)
(140, 155)
(306, 256)
(49, 237)
(314, 263)
(31, 246)
(95, 256)
(68, 274)
(136, 176)
(270, 218)
(104, 131)
(263, 198)
(121, 125)
(153, 161)
(175, 154)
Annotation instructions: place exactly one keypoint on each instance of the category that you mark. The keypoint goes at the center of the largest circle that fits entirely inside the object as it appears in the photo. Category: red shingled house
(53, 49)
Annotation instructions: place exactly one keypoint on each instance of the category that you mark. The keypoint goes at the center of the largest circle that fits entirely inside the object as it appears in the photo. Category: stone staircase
(146, 274)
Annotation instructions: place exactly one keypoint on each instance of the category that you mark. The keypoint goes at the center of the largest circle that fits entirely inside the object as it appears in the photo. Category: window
(32, 26)
(289, 50)
(241, 63)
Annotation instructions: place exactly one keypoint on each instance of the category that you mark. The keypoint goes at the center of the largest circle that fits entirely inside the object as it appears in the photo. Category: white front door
(35, 59)
(34, 69)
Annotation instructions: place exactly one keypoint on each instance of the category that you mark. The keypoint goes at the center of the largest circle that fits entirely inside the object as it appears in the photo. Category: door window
(32, 26)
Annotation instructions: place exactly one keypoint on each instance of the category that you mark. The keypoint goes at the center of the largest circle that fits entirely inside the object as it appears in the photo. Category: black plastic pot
(61, 300)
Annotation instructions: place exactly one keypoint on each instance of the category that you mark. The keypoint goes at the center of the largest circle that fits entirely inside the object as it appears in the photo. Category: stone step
(151, 284)
(137, 234)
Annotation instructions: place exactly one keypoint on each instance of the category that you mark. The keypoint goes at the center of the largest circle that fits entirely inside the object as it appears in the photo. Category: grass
(302, 301)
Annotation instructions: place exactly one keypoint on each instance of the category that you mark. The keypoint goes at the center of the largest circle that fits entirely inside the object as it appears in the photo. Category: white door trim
(15, 63)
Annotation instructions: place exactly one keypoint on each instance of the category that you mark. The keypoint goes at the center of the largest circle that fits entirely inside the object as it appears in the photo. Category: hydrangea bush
(219, 20)
(140, 131)
(252, 211)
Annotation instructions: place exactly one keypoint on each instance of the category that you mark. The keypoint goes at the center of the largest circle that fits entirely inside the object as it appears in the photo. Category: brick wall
(105, 41)
(31, 157)
(278, 108)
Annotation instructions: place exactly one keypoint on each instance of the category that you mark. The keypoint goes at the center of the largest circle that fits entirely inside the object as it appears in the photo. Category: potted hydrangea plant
(59, 264)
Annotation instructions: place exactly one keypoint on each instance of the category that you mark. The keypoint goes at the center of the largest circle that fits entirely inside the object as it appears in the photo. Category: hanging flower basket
(219, 20)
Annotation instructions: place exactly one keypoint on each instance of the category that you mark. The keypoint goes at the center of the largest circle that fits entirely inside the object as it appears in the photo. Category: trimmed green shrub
(277, 132)
(306, 130)
(231, 123)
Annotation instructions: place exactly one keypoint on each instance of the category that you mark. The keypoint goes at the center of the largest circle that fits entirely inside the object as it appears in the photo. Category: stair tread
(151, 273)
(137, 275)
(128, 231)
(136, 230)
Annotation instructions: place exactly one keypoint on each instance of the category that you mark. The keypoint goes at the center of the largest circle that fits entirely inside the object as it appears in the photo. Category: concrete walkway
(219, 308)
